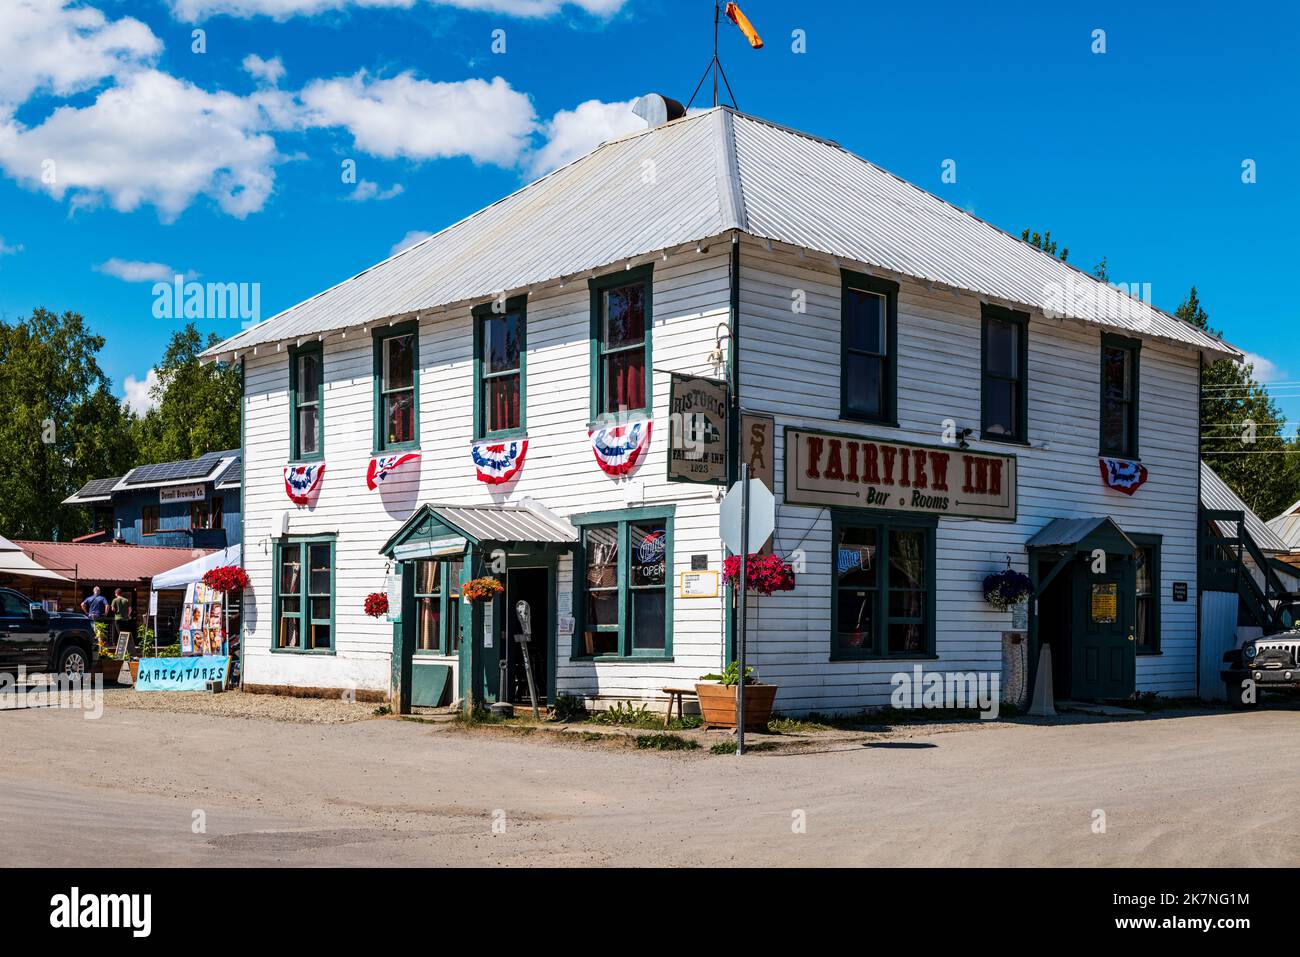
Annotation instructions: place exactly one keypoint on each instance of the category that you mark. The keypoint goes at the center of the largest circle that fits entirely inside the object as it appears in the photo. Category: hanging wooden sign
(698, 430)
(854, 471)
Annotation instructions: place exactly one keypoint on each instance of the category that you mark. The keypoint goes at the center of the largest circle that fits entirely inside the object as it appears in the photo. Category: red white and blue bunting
(1122, 475)
(498, 462)
(381, 465)
(302, 482)
(618, 446)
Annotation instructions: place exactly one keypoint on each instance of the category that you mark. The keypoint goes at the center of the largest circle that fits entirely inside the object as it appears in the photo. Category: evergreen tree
(197, 406)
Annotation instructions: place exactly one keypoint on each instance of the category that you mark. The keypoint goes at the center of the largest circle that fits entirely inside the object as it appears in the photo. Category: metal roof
(1216, 494)
(232, 475)
(508, 522)
(1287, 525)
(107, 563)
(696, 178)
(96, 490)
(1068, 532)
(202, 468)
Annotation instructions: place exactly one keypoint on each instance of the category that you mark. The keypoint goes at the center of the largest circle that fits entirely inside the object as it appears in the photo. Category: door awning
(435, 531)
(1082, 535)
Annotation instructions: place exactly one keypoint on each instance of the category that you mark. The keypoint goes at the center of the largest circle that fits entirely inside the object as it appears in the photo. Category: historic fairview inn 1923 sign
(698, 424)
(850, 471)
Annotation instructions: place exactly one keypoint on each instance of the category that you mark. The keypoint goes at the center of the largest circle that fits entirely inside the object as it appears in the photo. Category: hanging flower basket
(226, 579)
(377, 604)
(1006, 588)
(479, 590)
(764, 574)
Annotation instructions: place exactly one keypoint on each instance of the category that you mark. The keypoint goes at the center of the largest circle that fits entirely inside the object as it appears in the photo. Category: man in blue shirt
(95, 605)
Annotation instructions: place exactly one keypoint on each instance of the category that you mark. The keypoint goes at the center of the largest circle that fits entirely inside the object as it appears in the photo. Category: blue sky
(227, 163)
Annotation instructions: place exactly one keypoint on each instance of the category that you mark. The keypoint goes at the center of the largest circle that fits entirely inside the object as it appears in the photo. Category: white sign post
(747, 518)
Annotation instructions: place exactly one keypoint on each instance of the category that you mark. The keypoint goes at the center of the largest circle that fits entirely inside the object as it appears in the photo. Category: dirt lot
(165, 787)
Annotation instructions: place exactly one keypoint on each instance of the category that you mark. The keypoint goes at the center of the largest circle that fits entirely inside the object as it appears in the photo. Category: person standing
(95, 605)
(121, 606)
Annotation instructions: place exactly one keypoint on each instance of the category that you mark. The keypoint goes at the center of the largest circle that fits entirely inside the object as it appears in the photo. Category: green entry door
(1104, 659)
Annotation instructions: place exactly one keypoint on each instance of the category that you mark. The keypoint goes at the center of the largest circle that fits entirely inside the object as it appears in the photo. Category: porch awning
(440, 530)
(1082, 535)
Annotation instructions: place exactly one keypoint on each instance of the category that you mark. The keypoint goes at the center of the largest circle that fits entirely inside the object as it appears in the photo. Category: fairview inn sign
(847, 471)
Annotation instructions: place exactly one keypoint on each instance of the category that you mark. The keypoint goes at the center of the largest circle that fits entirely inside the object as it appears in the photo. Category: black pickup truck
(31, 637)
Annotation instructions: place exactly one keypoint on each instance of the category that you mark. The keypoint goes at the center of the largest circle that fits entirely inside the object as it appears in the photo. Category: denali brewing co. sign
(856, 472)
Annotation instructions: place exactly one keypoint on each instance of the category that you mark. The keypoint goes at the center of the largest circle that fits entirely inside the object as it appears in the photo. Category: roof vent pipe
(657, 110)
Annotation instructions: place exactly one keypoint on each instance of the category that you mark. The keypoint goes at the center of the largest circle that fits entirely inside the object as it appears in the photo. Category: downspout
(1196, 566)
(733, 418)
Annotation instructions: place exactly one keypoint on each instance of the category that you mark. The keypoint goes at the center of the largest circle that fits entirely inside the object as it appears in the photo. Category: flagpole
(717, 13)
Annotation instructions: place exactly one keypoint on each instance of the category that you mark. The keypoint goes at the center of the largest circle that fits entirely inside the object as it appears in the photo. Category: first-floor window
(1146, 625)
(305, 598)
(884, 580)
(625, 570)
(437, 606)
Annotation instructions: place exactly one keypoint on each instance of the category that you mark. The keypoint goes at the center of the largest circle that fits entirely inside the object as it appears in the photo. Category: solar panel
(177, 471)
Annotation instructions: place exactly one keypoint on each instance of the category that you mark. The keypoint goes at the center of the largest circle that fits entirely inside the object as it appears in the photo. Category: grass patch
(729, 747)
(569, 708)
(625, 714)
(477, 716)
(665, 742)
(784, 725)
(382, 710)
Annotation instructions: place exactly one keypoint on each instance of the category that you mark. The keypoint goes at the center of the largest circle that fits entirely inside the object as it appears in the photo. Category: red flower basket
(377, 604)
(481, 589)
(226, 579)
(765, 574)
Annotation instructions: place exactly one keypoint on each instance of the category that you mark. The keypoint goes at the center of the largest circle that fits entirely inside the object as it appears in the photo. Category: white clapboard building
(931, 400)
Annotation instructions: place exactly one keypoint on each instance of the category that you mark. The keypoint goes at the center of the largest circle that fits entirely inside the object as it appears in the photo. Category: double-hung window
(397, 380)
(1119, 396)
(307, 398)
(1004, 378)
(882, 601)
(437, 606)
(149, 520)
(868, 348)
(624, 571)
(304, 595)
(500, 360)
(621, 324)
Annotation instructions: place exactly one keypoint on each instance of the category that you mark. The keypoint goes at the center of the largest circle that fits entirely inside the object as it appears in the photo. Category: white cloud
(571, 133)
(367, 189)
(8, 249)
(488, 121)
(133, 270)
(268, 71)
(409, 240)
(153, 139)
(1266, 370)
(137, 395)
(51, 46)
(191, 11)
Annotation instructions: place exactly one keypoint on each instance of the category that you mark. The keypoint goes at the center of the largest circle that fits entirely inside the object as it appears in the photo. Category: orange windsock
(747, 28)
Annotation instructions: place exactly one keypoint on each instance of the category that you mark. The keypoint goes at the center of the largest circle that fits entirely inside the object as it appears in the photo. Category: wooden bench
(676, 695)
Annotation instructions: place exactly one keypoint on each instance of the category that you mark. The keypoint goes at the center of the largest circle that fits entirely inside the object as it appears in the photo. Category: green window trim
(449, 604)
(1134, 349)
(622, 520)
(381, 335)
(991, 313)
(303, 543)
(1151, 543)
(850, 280)
(318, 350)
(598, 286)
(885, 526)
(480, 314)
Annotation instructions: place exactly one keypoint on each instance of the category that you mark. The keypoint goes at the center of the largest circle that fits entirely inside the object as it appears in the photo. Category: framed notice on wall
(697, 584)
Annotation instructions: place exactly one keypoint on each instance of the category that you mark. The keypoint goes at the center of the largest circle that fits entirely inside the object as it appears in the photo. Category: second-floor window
(1004, 378)
(621, 318)
(149, 520)
(1119, 396)
(397, 362)
(500, 360)
(868, 348)
(306, 389)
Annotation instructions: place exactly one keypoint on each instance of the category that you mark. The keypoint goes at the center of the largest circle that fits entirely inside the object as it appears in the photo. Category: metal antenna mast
(715, 65)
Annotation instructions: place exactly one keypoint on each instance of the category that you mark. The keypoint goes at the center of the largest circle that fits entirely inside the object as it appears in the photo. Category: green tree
(62, 425)
(1045, 242)
(1242, 428)
(196, 406)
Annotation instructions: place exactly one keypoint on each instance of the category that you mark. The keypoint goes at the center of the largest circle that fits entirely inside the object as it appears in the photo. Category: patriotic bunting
(381, 465)
(498, 462)
(618, 446)
(1122, 475)
(301, 482)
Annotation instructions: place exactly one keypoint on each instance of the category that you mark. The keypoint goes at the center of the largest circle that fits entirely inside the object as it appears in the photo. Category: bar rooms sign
(859, 472)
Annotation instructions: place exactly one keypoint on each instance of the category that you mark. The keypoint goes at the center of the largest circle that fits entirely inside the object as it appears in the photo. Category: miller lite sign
(853, 471)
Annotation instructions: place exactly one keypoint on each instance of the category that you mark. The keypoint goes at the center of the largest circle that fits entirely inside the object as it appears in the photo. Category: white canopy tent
(14, 561)
(184, 575)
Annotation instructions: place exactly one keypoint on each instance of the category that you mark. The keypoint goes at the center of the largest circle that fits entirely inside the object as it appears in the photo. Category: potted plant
(717, 694)
(478, 590)
(1007, 588)
(764, 574)
(377, 604)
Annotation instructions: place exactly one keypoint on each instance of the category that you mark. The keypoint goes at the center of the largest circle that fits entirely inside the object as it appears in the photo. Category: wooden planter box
(718, 705)
(110, 668)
